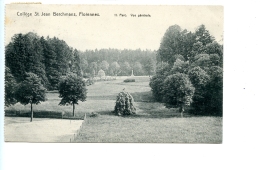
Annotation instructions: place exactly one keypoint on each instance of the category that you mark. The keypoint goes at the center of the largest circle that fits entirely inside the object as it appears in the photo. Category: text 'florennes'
(46, 14)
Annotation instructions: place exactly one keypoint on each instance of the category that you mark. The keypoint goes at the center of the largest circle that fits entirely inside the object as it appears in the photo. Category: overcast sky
(108, 31)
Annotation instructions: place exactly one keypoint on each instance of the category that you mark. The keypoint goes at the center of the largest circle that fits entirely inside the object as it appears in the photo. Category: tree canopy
(178, 91)
(31, 91)
(189, 71)
(72, 89)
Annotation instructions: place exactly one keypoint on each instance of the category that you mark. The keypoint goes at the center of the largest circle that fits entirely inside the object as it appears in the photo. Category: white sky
(108, 31)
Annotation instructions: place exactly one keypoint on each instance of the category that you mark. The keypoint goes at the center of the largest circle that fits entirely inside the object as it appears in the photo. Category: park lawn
(107, 128)
(101, 96)
(153, 123)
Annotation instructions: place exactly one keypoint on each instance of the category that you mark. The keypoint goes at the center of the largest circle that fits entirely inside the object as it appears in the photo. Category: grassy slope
(153, 122)
(168, 130)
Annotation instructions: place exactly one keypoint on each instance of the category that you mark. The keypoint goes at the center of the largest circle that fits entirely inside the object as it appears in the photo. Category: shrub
(129, 80)
(36, 114)
(124, 104)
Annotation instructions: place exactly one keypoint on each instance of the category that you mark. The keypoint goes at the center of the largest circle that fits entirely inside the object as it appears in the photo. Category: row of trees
(121, 68)
(48, 58)
(189, 71)
(52, 58)
(118, 62)
(31, 91)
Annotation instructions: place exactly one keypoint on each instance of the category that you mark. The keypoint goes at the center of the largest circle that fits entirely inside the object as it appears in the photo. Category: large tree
(178, 91)
(31, 91)
(175, 42)
(72, 89)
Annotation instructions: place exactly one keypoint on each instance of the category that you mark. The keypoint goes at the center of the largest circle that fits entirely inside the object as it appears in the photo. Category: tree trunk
(31, 113)
(73, 110)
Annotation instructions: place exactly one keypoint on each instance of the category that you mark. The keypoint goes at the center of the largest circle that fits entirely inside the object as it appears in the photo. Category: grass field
(153, 122)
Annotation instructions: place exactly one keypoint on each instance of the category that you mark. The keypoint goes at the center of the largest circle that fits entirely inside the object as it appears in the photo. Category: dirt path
(19, 129)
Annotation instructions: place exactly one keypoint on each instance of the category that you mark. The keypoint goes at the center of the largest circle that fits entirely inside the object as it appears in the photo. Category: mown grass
(152, 123)
(107, 129)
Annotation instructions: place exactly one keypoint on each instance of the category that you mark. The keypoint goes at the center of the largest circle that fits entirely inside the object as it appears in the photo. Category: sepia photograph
(113, 74)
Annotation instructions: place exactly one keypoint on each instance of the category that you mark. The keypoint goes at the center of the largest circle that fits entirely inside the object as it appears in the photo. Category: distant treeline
(52, 58)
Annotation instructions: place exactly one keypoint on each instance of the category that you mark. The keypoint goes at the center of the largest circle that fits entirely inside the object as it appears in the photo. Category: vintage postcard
(113, 73)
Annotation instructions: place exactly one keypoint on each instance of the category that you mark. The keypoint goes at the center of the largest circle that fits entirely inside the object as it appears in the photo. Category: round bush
(124, 104)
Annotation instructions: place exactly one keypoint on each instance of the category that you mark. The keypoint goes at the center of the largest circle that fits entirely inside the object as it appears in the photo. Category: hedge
(129, 80)
(36, 114)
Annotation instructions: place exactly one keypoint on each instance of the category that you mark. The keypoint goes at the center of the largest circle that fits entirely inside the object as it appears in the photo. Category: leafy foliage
(194, 68)
(199, 78)
(176, 42)
(48, 58)
(10, 88)
(31, 90)
(156, 82)
(178, 91)
(180, 67)
(72, 89)
(214, 91)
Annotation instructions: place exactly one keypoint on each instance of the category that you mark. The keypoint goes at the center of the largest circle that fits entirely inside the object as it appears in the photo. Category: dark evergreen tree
(51, 65)
(76, 64)
(16, 55)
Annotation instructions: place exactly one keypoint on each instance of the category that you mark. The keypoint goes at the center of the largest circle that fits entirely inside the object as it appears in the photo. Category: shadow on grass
(138, 97)
(151, 115)
(143, 96)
